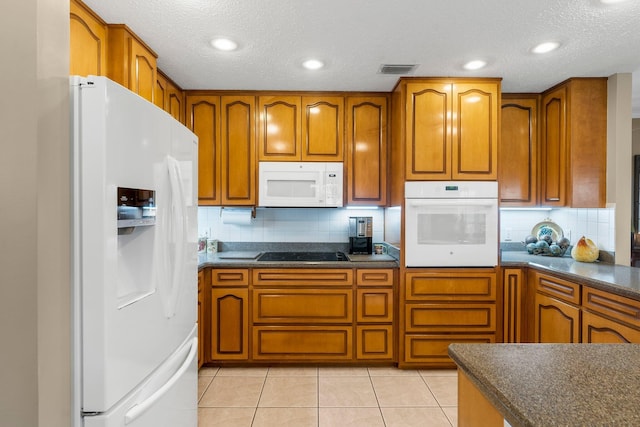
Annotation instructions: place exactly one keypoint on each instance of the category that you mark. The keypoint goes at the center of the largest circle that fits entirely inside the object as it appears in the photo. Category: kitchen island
(548, 384)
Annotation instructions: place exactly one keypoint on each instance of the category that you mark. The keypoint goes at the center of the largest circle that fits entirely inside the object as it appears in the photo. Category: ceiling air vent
(397, 68)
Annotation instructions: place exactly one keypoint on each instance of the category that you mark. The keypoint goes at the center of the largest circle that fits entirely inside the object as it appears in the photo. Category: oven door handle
(489, 203)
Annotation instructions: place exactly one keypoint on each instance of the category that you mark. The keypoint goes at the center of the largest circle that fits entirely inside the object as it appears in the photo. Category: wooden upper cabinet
(88, 41)
(452, 129)
(237, 135)
(203, 118)
(169, 97)
(518, 155)
(279, 128)
(131, 62)
(366, 148)
(574, 144)
(323, 128)
(295, 128)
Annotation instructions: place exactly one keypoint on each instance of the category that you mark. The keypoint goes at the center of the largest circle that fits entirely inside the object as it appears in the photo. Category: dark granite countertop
(556, 384)
(617, 279)
(213, 260)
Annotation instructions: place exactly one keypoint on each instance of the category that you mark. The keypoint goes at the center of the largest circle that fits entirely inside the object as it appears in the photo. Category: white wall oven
(451, 224)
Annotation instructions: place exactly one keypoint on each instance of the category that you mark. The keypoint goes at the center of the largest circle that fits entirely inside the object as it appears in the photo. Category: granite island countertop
(556, 384)
(617, 279)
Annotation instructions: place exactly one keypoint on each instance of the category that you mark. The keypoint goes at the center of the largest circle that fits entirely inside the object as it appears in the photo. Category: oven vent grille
(397, 68)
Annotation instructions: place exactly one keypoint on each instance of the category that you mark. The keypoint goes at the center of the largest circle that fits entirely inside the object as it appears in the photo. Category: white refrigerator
(134, 260)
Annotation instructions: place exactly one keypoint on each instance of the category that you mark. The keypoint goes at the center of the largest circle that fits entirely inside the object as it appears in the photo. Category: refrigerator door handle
(139, 409)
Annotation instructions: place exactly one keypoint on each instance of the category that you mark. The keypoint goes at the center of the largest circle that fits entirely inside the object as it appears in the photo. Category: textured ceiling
(354, 37)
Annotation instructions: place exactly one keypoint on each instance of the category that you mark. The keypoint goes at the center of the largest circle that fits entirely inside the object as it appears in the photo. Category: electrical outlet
(507, 234)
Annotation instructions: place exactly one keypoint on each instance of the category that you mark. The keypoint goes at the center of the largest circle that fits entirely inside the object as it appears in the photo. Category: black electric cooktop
(303, 256)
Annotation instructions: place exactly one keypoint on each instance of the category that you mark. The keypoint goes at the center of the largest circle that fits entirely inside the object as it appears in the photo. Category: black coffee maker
(360, 234)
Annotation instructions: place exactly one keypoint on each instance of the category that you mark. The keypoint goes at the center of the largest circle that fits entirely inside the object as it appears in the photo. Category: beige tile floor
(326, 397)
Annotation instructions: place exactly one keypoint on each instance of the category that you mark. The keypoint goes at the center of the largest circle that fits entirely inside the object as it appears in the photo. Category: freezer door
(138, 291)
(167, 398)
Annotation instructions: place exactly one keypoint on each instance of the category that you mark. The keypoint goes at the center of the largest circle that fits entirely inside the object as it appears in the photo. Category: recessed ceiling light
(224, 44)
(313, 64)
(474, 65)
(545, 47)
(612, 1)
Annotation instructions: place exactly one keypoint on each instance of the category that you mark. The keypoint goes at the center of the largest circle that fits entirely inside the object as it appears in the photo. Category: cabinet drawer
(374, 277)
(451, 286)
(450, 318)
(557, 288)
(374, 342)
(434, 348)
(230, 277)
(302, 277)
(374, 305)
(302, 306)
(617, 307)
(302, 342)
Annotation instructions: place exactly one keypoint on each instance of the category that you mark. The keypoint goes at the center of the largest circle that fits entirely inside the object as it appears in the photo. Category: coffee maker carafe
(360, 234)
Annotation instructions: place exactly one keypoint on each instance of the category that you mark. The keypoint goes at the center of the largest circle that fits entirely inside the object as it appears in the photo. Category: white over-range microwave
(451, 224)
(300, 184)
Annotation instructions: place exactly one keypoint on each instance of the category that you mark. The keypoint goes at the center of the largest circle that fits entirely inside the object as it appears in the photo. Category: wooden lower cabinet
(443, 306)
(555, 321)
(230, 321)
(514, 305)
(201, 317)
(474, 410)
(303, 343)
(599, 329)
(374, 342)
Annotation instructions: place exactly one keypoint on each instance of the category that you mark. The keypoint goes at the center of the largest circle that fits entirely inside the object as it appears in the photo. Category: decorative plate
(547, 227)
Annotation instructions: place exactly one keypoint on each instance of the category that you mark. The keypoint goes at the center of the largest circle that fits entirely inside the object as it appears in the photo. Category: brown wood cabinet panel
(555, 321)
(230, 324)
(88, 41)
(616, 307)
(474, 410)
(450, 318)
(169, 97)
(237, 136)
(229, 277)
(518, 154)
(302, 277)
(374, 277)
(432, 349)
(367, 147)
(280, 134)
(598, 329)
(451, 285)
(514, 297)
(475, 125)
(317, 306)
(557, 288)
(323, 128)
(201, 321)
(374, 342)
(203, 118)
(374, 305)
(131, 62)
(553, 158)
(306, 343)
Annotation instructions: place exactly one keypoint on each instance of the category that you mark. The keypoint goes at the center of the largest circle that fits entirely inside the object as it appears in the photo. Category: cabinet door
(428, 136)
(201, 323)
(555, 321)
(553, 150)
(474, 150)
(514, 296)
(238, 175)
(374, 342)
(598, 329)
(229, 324)
(88, 42)
(518, 151)
(367, 151)
(203, 118)
(323, 128)
(374, 305)
(169, 97)
(143, 70)
(279, 136)
(315, 306)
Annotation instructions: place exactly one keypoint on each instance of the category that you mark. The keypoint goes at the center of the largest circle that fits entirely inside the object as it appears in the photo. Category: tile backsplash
(595, 224)
(288, 225)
